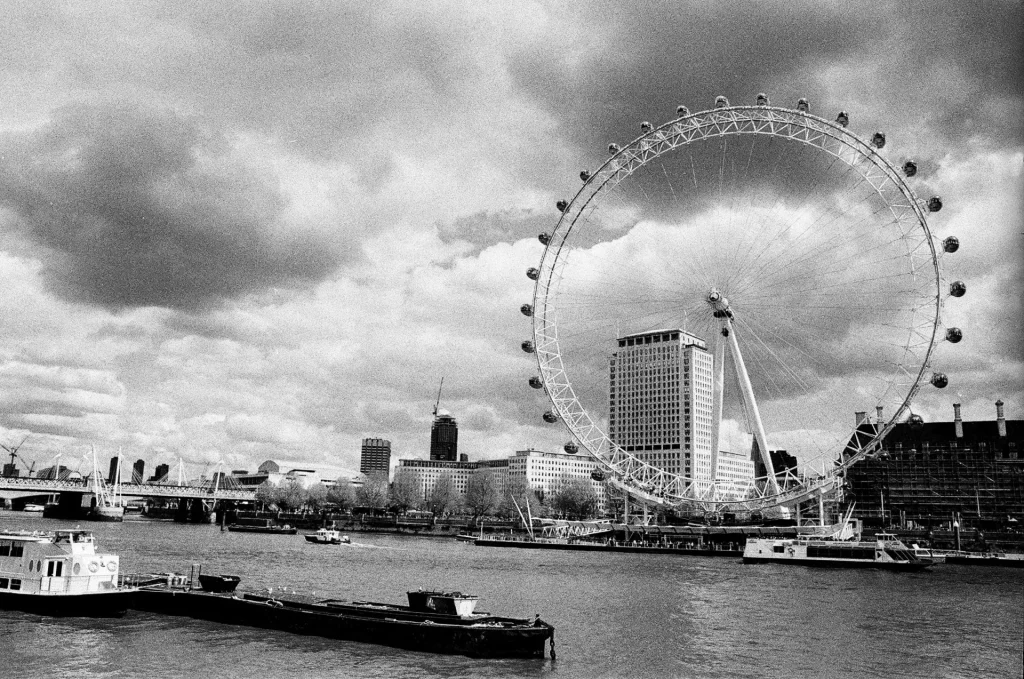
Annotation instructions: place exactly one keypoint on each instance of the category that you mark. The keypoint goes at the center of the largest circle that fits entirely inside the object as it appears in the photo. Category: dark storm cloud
(647, 59)
(139, 208)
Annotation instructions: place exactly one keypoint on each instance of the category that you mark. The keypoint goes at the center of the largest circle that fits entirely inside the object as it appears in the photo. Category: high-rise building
(375, 457)
(661, 401)
(138, 471)
(444, 437)
(160, 475)
(112, 475)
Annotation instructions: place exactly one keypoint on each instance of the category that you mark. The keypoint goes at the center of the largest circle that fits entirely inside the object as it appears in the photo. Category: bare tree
(290, 496)
(374, 492)
(266, 493)
(405, 492)
(316, 495)
(518, 491)
(444, 497)
(342, 494)
(482, 494)
(575, 498)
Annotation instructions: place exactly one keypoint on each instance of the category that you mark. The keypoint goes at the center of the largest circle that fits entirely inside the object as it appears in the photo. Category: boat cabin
(59, 562)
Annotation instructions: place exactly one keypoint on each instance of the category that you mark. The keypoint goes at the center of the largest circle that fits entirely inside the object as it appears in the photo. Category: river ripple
(617, 615)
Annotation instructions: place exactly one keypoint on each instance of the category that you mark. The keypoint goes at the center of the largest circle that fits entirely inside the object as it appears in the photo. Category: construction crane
(438, 402)
(13, 451)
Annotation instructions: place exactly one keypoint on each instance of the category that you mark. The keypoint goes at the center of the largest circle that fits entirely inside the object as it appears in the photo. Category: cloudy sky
(240, 231)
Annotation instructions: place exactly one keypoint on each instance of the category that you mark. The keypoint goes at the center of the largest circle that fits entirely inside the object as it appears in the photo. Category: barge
(434, 622)
(262, 526)
(60, 573)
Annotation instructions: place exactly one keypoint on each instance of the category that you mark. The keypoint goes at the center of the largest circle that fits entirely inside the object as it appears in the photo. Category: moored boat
(434, 622)
(327, 536)
(885, 551)
(60, 574)
(262, 526)
(986, 559)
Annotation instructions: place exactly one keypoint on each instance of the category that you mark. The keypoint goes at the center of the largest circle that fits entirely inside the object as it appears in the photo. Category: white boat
(327, 536)
(33, 508)
(60, 573)
(885, 551)
(936, 555)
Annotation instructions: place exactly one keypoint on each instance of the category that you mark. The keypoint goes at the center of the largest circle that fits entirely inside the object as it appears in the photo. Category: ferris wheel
(734, 283)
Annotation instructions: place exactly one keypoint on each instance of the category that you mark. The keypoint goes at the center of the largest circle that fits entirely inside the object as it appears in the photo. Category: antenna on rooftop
(438, 402)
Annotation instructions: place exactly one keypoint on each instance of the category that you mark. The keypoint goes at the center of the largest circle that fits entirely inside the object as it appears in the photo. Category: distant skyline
(266, 231)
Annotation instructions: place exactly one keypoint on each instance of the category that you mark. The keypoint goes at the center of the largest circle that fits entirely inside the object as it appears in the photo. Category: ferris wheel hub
(719, 303)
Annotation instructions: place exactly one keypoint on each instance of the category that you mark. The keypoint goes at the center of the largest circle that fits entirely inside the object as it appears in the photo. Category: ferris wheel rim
(642, 479)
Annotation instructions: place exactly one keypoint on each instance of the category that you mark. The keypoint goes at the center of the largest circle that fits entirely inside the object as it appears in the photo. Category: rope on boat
(553, 645)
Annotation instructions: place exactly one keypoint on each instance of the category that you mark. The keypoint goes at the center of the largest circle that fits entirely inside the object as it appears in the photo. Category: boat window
(17, 550)
(4, 583)
(5, 549)
(778, 549)
(15, 584)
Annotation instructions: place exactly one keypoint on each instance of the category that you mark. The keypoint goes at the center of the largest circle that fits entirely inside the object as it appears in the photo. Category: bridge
(14, 487)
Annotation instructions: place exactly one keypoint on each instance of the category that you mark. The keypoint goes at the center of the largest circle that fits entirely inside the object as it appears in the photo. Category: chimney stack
(878, 414)
(861, 416)
(957, 422)
(1000, 420)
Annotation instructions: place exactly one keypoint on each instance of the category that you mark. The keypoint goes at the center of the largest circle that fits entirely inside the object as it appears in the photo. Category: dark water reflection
(616, 615)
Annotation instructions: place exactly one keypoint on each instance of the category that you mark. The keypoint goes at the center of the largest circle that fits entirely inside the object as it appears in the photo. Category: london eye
(731, 284)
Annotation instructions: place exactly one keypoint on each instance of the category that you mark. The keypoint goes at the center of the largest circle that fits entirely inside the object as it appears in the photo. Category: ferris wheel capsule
(954, 335)
(544, 238)
(585, 175)
(762, 99)
(561, 205)
(958, 288)
(527, 309)
(934, 204)
(878, 140)
(550, 417)
(533, 273)
(613, 148)
(536, 382)
(843, 118)
(803, 106)
(571, 448)
(682, 111)
(597, 475)
(646, 127)
(951, 244)
(910, 168)
(915, 421)
(527, 346)
(939, 380)
(721, 101)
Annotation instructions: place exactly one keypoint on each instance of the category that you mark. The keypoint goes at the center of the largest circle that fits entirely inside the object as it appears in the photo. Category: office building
(661, 401)
(444, 437)
(375, 457)
(160, 475)
(139, 471)
(542, 471)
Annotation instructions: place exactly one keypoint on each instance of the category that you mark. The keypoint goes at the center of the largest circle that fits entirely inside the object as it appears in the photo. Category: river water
(616, 615)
